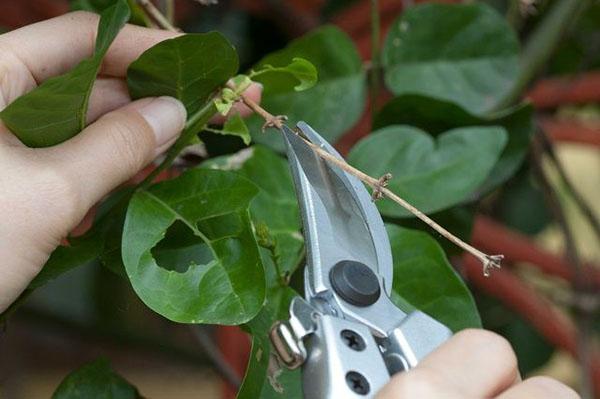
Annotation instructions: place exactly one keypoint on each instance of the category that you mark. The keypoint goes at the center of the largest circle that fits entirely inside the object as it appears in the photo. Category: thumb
(116, 146)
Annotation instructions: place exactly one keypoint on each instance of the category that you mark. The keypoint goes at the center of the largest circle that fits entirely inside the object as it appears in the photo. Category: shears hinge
(287, 337)
(289, 349)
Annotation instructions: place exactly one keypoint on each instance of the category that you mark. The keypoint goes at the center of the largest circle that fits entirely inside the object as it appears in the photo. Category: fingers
(539, 388)
(116, 146)
(480, 362)
(63, 41)
(108, 94)
(473, 363)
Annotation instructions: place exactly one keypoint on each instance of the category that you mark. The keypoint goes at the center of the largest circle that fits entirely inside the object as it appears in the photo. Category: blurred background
(89, 312)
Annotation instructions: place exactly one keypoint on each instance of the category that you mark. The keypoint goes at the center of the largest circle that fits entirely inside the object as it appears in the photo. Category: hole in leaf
(180, 249)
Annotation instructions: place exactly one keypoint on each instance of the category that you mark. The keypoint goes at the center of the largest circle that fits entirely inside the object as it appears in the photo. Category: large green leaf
(226, 285)
(95, 380)
(463, 53)
(56, 110)
(264, 377)
(189, 68)
(437, 116)
(424, 278)
(275, 205)
(431, 175)
(333, 105)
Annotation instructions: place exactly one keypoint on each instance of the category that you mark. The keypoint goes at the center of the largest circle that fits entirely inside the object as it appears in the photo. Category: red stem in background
(491, 236)
(553, 325)
(554, 92)
(571, 131)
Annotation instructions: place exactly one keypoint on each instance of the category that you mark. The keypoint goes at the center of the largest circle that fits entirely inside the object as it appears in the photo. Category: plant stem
(580, 284)
(169, 7)
(158, 17)
(542, 42)
(548, 148)
(375, 71)
(378, 186)
(513, 14)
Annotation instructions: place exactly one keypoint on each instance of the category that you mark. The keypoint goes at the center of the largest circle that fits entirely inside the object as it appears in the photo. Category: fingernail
(166, 116)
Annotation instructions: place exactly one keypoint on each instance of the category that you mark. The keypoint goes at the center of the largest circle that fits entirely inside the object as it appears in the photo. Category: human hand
(472, 364)
(46, 192)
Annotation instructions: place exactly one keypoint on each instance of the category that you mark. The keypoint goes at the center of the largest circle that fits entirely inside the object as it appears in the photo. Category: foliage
(416, 258)
(221, 242)
(56, 110)
(462, 53)
(224, 283)
(333, 105)
(95, 380)
(431, 175)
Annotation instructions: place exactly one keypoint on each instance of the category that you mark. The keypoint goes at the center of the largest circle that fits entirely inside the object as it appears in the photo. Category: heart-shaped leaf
(437, 116)
(189, 68)
(333, 105)
(225, 284)
(424, 278)
(431, 175)
(95, 380)
(465, 53)
(56, 110)
(275, 205)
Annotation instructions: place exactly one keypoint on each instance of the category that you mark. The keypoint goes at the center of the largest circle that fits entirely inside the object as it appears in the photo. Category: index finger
(54, 46)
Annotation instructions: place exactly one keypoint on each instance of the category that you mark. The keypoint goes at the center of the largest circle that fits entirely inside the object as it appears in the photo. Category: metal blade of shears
(340, 220)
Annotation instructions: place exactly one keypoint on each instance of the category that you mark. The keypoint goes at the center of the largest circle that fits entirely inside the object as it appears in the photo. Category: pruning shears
(346, 333)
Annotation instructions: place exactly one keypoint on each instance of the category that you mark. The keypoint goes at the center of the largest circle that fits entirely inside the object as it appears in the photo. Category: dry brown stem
(379, 189)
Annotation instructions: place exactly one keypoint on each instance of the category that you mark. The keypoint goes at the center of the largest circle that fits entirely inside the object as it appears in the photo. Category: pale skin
(45, 193)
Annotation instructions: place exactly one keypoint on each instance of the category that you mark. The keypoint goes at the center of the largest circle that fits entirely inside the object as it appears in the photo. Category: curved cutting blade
(340, 220)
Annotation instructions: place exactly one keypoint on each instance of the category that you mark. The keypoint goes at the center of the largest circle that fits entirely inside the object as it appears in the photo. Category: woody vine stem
(378, 185)
(379, 188)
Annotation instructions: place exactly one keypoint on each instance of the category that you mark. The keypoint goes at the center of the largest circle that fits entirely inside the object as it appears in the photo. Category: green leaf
(138, 16)
(275, 205)
(227, 289)
(56, 110)
(464, 53)
(264, 378)
(424, 277)
(189, 68)
(98, 241)
(235, 126)
(64, 258)
(521, 205)
(437, 116)
(333, 105)
(275, 209)
(301, 69)
(431, 175)
(95, 380)
(458, 219)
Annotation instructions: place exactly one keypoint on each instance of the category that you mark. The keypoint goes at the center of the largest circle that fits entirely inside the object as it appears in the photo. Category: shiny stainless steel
(339, 219)
(341, 222)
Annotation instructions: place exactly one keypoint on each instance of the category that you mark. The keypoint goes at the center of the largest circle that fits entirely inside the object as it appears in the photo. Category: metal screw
(353, 340)
(357, 383)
